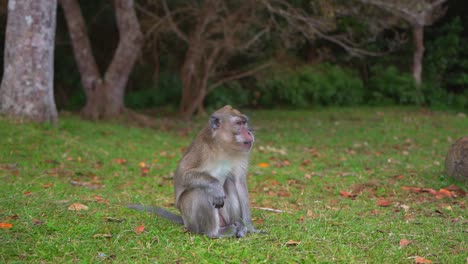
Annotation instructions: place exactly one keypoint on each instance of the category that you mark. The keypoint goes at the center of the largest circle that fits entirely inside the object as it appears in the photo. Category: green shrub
(388, 85)
(320, 85)
(445, 58)
(166, 92)
(231, 93)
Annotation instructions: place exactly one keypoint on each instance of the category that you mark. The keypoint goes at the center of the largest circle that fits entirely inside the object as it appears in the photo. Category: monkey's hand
(216, 192)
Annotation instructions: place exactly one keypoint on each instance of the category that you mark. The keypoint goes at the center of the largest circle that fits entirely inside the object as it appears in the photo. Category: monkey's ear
(215, 122)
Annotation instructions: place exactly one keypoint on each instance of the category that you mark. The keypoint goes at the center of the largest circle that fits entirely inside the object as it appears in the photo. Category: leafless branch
(237, 76)
(172, 24)
(312, 28)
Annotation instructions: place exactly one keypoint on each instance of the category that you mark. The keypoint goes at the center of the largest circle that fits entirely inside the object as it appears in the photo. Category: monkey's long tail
(158, 211)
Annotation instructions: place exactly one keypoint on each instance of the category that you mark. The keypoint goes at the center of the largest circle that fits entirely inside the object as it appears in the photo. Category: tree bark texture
(418, 40)
(27, 85)
(104, 94)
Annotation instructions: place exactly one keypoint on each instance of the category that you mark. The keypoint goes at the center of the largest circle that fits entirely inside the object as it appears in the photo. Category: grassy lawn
(340, 177)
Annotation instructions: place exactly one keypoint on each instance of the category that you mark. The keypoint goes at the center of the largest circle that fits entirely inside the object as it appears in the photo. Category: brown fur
(210, 181)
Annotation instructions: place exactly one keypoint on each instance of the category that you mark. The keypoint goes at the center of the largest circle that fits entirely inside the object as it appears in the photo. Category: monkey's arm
(192, 179)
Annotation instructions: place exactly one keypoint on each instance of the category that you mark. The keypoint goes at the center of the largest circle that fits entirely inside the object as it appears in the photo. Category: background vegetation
(306, 73)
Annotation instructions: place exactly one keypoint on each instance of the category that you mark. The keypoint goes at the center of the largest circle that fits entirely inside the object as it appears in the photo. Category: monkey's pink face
(242, 135)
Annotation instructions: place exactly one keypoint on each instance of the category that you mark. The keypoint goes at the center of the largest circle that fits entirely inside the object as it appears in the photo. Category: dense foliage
(321, 72)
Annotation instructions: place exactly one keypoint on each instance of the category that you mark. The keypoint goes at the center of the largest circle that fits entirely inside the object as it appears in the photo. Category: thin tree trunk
(104, 95)
(27, 85)
(418, 39)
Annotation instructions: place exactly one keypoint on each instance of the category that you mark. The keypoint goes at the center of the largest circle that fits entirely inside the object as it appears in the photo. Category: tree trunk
(27, 85)
(418, 39)
(190, 81)
(104, 95)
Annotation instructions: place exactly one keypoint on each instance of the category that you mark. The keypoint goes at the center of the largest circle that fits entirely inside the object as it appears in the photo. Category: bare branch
(237, 76)
(312, 28)
(254, 39)
(172, 24)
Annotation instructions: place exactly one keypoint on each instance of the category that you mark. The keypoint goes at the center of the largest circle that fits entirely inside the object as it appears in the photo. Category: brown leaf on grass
(292, 243)
(4, 225)
(311, 214)
(257, 221)
(442, 193)
(99, 199)
(91, 185)
(457, 190)
(430, 191)
(412, 189)
(384, 203)
(47, 185)
(37, 222)
(301, 219)
(139, 229)
(14, 216)
(263, 165)
(120, 161)
(421, 260)
(283, 193)
(348, 194)
(102, 235)
(77, 207)
(404, 242)
(274, 183)
(144, 171)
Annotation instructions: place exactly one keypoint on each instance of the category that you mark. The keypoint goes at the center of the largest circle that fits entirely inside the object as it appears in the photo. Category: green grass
(312, 156)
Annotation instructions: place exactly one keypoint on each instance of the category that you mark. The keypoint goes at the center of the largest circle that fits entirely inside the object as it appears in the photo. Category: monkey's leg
(200, 216)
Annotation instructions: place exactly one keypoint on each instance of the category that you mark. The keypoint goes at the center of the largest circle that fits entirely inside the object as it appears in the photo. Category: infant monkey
(210, 181)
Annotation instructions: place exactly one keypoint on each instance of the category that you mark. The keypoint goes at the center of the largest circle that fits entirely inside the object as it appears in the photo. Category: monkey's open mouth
(247, 144)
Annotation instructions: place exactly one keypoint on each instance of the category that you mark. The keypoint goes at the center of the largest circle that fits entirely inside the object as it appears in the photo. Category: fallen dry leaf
(142, 164)
(139, 229)
(283, 193)
(292, 243)
(442, 193)
(47, 185)
(384, 202)
(404, 242)
(457, 190)
(263, 165)
(14, 216)
(421, 260)
(311, 214)
(37, 222)
(5, 225)
(102, 235)
(99, 199)
(91, 185)
(301, 220)
(258, 221)
(348, 194)
(77, 207)
(144, 171)
(120, 161)
(430, 190)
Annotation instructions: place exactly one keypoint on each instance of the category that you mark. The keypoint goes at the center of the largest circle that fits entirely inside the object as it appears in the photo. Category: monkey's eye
(240, 122)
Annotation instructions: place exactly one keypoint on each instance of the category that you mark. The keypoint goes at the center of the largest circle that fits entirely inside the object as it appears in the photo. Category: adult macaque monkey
(210, 181)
